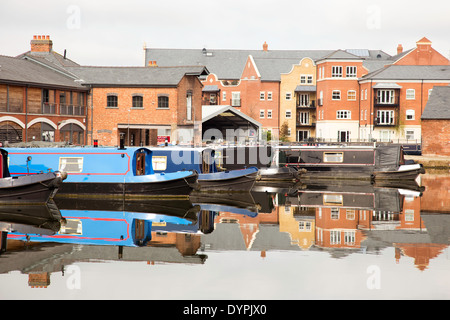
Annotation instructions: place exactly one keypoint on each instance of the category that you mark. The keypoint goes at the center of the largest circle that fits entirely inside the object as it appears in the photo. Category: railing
(64, 109)
(394, 102)
(311, 104)
(301, 124)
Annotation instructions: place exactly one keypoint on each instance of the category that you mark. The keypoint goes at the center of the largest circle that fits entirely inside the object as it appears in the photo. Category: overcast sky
(100, 32)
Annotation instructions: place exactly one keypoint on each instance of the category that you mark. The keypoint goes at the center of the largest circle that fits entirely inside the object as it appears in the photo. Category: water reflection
(342, 218)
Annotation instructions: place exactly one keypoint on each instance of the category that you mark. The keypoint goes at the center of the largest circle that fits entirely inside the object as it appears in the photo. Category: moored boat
(261, 157)
(33, 189)
(104, 172)
(202, 160)
(372, 162)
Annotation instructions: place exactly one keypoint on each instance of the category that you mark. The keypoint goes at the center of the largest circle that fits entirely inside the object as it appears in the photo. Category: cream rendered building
(298, 100)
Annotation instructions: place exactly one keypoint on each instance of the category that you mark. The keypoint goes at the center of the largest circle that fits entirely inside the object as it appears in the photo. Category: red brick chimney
(41, 44)
(265, 46)
(399, 49)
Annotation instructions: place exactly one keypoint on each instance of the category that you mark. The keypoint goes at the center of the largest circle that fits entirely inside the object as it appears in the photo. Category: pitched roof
(135, 76)
(405, 72)
(228, 64)
(438, 105)
(20, 71)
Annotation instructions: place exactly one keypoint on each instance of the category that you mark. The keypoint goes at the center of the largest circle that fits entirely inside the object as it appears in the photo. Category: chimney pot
(399, 49)
(265, 46)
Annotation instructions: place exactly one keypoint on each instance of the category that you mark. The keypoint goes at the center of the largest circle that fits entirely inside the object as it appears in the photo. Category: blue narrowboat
(105, 172)
(202, 160)
(30, 189)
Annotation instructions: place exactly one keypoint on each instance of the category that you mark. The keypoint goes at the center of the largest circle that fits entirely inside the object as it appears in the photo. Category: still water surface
(328, 240)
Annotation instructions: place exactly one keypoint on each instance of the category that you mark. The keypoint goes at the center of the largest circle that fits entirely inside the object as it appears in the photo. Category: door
(140, 164)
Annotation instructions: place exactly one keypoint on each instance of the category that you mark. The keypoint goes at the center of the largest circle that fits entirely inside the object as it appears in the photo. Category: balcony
(310, 105)
(48, 108)
(306, 125)
(71, 110)
(386, 98)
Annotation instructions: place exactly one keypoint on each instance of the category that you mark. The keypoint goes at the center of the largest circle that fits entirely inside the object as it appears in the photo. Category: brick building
(436, 123)
(147, 105)
(39, 99)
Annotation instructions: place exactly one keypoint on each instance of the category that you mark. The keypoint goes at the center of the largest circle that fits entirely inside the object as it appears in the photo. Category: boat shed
(228, 124)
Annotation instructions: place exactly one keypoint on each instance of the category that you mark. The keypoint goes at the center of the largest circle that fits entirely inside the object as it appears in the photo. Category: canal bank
(440, 163)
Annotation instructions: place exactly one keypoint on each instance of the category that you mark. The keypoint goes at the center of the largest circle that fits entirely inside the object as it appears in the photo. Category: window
(304, 226)
(385, 117)
(224, 96)
(163, 102)
(235, 99)
(335, 237)
(159, 163)
(385, 96)
(349, 237)
(261, 114)
(262, 95)
(304, 118)
(288, 114)
(288, 95)
(343, 136)
(269, 95)
(306, 79)
(303, 100)
(111, 101)
(138, 102)
(365, 94)
(351, 72)
(212, 98)
(269, 114)
(343, 114)
(302, 135)
(351, 95)
(336, 72)
(409, 134)
(410, 94)
(71, 164)
(189, 106)
(333, 157)
(410, 114)
(289, 132)
(336, 95)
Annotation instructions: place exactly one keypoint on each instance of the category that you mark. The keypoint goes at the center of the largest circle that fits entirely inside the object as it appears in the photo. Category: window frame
(163, 99)
(116, 101)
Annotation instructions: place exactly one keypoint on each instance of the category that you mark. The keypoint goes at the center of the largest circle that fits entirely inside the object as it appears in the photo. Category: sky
(114, 33)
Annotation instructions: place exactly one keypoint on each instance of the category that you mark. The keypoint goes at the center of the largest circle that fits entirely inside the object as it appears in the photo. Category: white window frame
(336, 95)
(303, 117)
(288, 114)
(224, 96)
(269, 114)
(262, 114)
(410, 94)
(269, 95)
(343, 114)
(410, 134)
(388, 117)
(288, 96)
(351, 95)
(262, 95)
(336, 71)
(386, 96)
(351, 71)
(410, 114)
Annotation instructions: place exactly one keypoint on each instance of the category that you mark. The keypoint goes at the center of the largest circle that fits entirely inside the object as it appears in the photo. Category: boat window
(159, 163)
(71, 226)
(71, 164)
(333, 157)
(333, 199)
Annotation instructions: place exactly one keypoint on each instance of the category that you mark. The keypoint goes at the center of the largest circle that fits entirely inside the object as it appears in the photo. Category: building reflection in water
(340, 218)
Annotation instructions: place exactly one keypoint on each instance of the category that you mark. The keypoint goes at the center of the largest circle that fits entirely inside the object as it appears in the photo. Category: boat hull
(32, 189)
(280, 174)
(229, 181)
(410, 172)
(171, 188)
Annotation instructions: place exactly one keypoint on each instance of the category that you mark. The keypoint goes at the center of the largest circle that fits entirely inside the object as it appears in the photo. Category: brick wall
(436, 137)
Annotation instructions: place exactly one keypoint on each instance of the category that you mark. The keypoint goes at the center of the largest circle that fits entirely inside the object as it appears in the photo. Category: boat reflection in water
(336, 217)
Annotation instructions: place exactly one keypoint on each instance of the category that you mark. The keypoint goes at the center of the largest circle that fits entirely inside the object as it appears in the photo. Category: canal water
(312, 240)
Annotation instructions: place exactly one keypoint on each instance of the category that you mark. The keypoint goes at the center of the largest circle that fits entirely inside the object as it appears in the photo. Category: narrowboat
(103, 172)
(202, 160)
(374, 162)
(32, 189)
(261, 157)
(30, 218)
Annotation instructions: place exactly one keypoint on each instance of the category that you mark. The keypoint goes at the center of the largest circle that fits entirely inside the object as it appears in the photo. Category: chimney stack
(399, 49)
(265, 46)
(41, 44)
